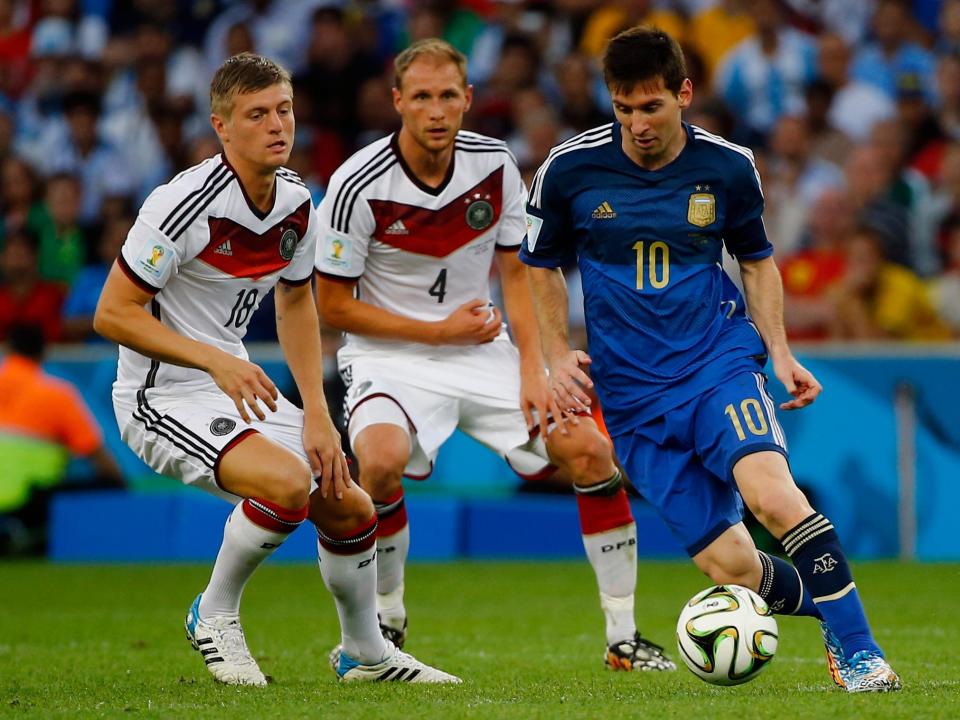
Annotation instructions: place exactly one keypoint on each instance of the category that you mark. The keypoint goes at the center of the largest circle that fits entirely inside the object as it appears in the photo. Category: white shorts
(185, 438)
(477, 391)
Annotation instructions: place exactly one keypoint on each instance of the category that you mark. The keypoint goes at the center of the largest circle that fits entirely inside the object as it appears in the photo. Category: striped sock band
(807, 530)
(608, 488)
(271, 516)
(361, 539)
(391, 514)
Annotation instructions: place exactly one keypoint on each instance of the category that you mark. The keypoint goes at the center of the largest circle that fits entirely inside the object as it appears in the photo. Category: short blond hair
(432, 47)
(243, 73)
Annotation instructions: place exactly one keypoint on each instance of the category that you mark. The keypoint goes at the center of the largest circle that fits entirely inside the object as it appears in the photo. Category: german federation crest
(222, 426)
(288, 244)
(479, 214)
(702, 209)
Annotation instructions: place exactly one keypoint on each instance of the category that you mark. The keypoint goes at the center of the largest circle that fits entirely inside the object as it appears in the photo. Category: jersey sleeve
(744, 234)
(300, 269)
(549, 239)
(513, 224)
(148, 256)
(341, 252)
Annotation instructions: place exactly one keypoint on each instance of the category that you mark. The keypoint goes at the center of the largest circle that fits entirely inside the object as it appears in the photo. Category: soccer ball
(726, 635)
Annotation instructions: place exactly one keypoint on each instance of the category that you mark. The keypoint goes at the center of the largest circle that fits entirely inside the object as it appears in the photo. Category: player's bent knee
(335, 515)
(288, 485)
(585, 454)
(382, 453)
(382, 473)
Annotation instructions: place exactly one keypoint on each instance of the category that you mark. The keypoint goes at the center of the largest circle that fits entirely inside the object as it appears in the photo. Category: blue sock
(781, 587)
(814, 547)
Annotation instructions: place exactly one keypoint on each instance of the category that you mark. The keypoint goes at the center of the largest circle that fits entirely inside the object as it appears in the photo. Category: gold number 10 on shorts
(748, 408)
(657, 261)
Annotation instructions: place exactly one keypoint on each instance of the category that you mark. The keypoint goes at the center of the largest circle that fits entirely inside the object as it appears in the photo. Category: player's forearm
(549, 291)
(763, 291)
(518, 299)
(133, 327)
(360, 318)
(298, 330)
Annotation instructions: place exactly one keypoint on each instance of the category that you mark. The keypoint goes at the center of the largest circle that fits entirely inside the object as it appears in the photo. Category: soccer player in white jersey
(204, 251)
(409, 229)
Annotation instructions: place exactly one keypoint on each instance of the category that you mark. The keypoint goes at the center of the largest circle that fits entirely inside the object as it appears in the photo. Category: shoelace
(233, 644)
(647, 643)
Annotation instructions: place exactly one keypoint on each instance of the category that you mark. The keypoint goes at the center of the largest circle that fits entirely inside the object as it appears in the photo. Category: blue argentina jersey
(664, 321)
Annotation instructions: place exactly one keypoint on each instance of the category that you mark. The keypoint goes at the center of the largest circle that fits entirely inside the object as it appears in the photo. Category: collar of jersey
(260, 215)
(618, 143)
(435, 191)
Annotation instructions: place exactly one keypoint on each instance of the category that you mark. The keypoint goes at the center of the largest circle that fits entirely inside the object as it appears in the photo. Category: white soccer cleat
(397, 667)
(870, 672)
(224, 648)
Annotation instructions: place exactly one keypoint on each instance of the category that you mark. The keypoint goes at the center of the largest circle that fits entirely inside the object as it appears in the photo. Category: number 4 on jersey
(439, 287)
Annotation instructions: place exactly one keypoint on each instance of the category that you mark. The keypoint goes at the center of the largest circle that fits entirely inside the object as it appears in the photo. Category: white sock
(390, 608)
(392, 552)
(352, 580)
(245, 545)
(613, 555)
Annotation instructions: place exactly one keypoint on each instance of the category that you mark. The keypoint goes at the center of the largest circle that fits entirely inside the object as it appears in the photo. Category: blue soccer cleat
(869, 672)
(836, 663)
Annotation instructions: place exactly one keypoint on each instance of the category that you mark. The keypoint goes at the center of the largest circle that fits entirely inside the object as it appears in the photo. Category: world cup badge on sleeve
(701, 209)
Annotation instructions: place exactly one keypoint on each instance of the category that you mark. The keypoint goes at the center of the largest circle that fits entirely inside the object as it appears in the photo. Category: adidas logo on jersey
(604, 212)
(224, 248)
(397, 228)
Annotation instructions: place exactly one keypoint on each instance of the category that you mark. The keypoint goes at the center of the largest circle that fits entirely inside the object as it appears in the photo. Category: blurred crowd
(851, 106)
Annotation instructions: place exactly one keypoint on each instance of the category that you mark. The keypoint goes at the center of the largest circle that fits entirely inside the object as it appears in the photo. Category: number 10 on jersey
(653, 264)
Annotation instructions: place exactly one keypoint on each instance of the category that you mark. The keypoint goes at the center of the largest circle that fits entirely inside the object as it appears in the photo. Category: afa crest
(701, 209)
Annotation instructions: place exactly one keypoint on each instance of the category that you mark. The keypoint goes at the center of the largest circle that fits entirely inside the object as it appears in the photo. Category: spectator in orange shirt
(43, 420)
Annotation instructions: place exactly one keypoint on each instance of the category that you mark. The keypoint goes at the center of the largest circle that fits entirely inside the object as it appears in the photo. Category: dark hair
(241, 74)
(643, 53)
(26, 341)
(25, 235)
(83, 101)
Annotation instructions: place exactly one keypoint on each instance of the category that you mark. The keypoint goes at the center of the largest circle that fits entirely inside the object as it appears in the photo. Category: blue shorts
(682, 461)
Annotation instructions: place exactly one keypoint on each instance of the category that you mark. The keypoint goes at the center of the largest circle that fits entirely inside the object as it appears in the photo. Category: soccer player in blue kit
(645, 206)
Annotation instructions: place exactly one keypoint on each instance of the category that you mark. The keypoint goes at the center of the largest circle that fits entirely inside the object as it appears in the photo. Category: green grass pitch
(107, 641)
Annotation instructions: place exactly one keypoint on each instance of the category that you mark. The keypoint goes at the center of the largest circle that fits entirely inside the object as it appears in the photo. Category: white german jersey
(415, 250)
(209, 256)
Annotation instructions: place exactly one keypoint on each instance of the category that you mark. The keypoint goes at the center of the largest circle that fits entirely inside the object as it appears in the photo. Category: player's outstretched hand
(245, 383)
(473, 323)
(799, 382)
(535, 395)
(568, 382)
(321, 441)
